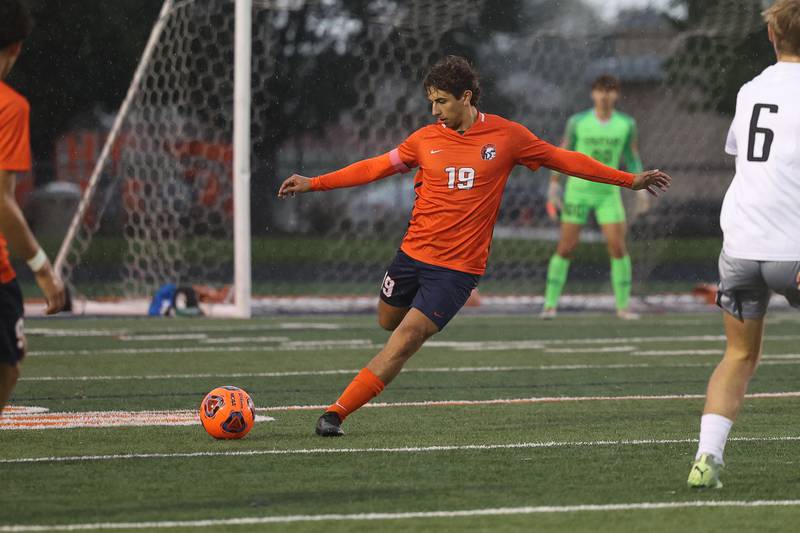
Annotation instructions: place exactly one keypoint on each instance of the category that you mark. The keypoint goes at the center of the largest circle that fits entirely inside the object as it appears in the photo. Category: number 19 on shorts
(465, 176)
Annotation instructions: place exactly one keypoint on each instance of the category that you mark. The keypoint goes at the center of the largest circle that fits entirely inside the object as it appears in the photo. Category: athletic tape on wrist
(37, 261)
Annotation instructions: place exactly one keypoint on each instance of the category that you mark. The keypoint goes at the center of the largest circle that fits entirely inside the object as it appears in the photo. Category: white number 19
(466, 177)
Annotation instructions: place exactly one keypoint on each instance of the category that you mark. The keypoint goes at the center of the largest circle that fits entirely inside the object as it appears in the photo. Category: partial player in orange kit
(464, 161)
(15, 156)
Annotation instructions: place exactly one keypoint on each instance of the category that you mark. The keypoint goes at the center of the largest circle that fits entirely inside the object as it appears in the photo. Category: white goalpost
(242, 280)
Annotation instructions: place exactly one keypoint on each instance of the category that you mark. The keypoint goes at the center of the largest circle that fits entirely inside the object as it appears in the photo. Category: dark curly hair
(15, 22)
(454, 75)
(606, 82)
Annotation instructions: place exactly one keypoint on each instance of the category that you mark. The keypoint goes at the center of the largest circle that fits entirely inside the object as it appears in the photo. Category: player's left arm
(583, 166)
(534, 152)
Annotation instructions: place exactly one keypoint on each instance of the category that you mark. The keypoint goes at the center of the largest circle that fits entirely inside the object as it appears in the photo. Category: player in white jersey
(761, 226)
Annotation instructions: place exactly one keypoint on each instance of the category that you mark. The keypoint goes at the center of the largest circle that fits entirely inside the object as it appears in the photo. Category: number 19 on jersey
(465, 176)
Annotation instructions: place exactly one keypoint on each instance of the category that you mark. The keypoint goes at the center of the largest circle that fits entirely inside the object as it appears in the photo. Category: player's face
(448, 109)
(8, 56)
(604, 98)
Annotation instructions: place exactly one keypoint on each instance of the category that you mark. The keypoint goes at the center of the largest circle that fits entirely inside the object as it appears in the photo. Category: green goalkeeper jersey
(609, 142)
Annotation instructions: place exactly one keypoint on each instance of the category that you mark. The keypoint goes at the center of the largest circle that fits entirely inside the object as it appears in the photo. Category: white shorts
(745, 286)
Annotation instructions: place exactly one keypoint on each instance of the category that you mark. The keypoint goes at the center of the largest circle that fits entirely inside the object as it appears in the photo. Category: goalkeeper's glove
(554, 203)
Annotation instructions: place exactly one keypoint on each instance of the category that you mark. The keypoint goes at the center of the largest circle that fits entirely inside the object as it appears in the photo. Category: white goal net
(334, 81)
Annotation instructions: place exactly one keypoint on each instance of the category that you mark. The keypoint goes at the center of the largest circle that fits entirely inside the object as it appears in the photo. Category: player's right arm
(15, 156)
(398, 161)
(21, 239)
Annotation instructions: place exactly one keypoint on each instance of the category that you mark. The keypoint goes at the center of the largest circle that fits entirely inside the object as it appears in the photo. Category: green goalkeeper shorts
(607, 207)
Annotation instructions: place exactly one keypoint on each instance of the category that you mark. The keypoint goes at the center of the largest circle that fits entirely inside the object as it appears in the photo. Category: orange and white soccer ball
(227, 413)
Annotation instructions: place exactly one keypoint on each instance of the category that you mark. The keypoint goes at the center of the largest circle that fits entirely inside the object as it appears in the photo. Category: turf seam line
(422, 370)
(408, 449)
(500, 511)
(330, 344)
(350, 344)
(534, 400)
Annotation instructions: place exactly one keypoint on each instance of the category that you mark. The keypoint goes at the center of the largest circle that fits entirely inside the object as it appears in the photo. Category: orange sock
(364, 387)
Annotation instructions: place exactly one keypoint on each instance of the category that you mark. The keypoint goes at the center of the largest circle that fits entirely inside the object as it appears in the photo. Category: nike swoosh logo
(436, 151)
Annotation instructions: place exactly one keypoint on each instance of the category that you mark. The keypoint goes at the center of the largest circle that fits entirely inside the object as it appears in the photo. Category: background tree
(725, 45)
(80, 57)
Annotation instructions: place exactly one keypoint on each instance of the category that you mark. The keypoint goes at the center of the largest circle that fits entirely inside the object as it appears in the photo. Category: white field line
(678, 352)
(662, 353)
(549, 345)
(790, 359)
(206, 328)
(400, 450)
(361, 517)
(603, 349)
(195, 376)
(534, 400)
(537, 344)
(662, 338)
(487, 346)
(350, 344)
(200, 337)
(366, 343)
(353, 371)
(470, 346)
(163, 337)
(245, 340)
(23, 410)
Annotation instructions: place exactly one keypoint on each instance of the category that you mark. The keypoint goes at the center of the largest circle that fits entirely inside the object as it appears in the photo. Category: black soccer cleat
(329, 425)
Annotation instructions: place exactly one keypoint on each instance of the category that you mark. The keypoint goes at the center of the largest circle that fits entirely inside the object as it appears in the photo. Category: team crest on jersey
(489, 151)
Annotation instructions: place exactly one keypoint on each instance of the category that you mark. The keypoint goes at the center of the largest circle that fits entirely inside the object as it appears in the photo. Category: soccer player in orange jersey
(464, 160)
(15, 156)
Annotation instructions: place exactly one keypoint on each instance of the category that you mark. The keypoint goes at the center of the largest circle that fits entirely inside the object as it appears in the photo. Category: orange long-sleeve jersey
(460, 184)
(15, 152)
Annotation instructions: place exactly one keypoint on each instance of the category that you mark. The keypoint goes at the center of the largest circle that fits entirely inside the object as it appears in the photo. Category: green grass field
(285, 265)
(600, 438)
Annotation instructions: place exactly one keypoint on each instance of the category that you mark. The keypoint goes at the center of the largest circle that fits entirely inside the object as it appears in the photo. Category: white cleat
(705, 473)
(624, 314)
(548, 314)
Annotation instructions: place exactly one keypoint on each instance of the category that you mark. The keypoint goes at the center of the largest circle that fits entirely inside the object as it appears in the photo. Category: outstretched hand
(53, 288)
(653, 181)
(294, 184)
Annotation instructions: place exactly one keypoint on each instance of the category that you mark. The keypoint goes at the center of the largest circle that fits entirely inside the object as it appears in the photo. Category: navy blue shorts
(12, 336)
(437, 292)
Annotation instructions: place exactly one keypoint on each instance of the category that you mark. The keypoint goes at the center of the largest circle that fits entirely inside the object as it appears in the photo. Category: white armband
(37, 261)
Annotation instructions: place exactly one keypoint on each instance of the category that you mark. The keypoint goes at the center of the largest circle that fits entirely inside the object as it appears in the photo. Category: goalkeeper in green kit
(610, 137)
